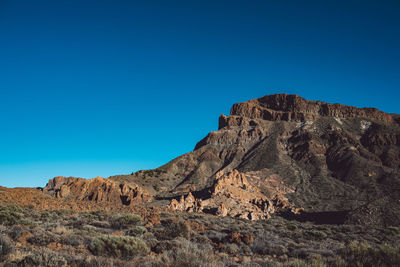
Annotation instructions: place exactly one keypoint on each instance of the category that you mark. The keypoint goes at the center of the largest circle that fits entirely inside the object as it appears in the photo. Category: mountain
(306, 160)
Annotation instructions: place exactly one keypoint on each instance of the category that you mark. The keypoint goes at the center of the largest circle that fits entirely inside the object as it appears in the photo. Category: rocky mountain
(307, 160)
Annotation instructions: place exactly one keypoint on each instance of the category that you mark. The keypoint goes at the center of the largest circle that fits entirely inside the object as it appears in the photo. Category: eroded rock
(97, 190)
(233, 195)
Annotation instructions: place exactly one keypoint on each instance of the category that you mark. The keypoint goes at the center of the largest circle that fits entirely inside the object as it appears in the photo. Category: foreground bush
(6, 247)
(362, 254)
(125, 247)
(191, 254)
(43, 257)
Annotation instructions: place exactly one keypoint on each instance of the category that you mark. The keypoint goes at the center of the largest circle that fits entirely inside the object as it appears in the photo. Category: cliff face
(283, 153)
(283, 107)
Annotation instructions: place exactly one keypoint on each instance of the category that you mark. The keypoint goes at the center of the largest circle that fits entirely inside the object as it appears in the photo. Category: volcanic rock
(233, 195)
(97, 190)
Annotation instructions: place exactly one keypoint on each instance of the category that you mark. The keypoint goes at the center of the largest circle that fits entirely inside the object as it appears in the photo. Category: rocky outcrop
(233, 195)
(188, 203)
(99, 190)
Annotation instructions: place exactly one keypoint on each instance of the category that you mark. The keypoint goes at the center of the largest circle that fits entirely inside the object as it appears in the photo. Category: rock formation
(233, 195)
(98, 190)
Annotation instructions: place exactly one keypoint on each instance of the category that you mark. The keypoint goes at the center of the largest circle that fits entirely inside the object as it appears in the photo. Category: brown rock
(233, 195)
(189, 204)
(97, 190)
(222, 210)
(283, 107)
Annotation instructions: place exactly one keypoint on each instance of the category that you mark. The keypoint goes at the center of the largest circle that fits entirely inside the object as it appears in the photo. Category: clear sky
(97, 88)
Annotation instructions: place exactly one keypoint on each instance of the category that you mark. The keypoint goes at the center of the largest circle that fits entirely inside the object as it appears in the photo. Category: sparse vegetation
(100, 238)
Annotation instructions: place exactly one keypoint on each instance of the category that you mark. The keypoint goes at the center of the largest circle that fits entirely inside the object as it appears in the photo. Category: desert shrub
(100, 224)
(310, 252)
(15, 231)
(216, 236)
(150, 239)
(63, 212)
(274, 250)
(392, 230)
(72, 240)
(296, 263)
(165, 245)
(173, 228)
(44, 257)
(118, 246)
(6, 247)
(42, 238)
(89, 228)
(49, 216)
(190, 254)
(97, 261)
(230, 248)
(125, 221)
(314, 235)
(137, 231)
(362, 254)
(292, 226)
(268, 245)
(260, 263)
(316, 260)
(201, 239)
(10, 215)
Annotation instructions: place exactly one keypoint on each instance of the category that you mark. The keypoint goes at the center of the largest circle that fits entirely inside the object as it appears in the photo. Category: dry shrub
(125, 247)
(362, 254)
(191, 254)
(174, 228)
(6, 247)
(125, 221)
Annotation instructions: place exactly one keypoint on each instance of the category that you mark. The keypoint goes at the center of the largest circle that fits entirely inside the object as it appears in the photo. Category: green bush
(125, 247)
(137, 231)
(10, 215)
(125, 221)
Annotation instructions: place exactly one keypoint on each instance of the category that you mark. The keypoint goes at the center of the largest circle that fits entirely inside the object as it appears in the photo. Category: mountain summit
(283, 153)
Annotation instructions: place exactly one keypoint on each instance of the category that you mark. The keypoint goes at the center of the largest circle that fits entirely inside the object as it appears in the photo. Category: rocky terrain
(279, 160)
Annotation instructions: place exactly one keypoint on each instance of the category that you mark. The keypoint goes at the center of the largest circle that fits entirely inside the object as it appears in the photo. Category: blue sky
(97, 88)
